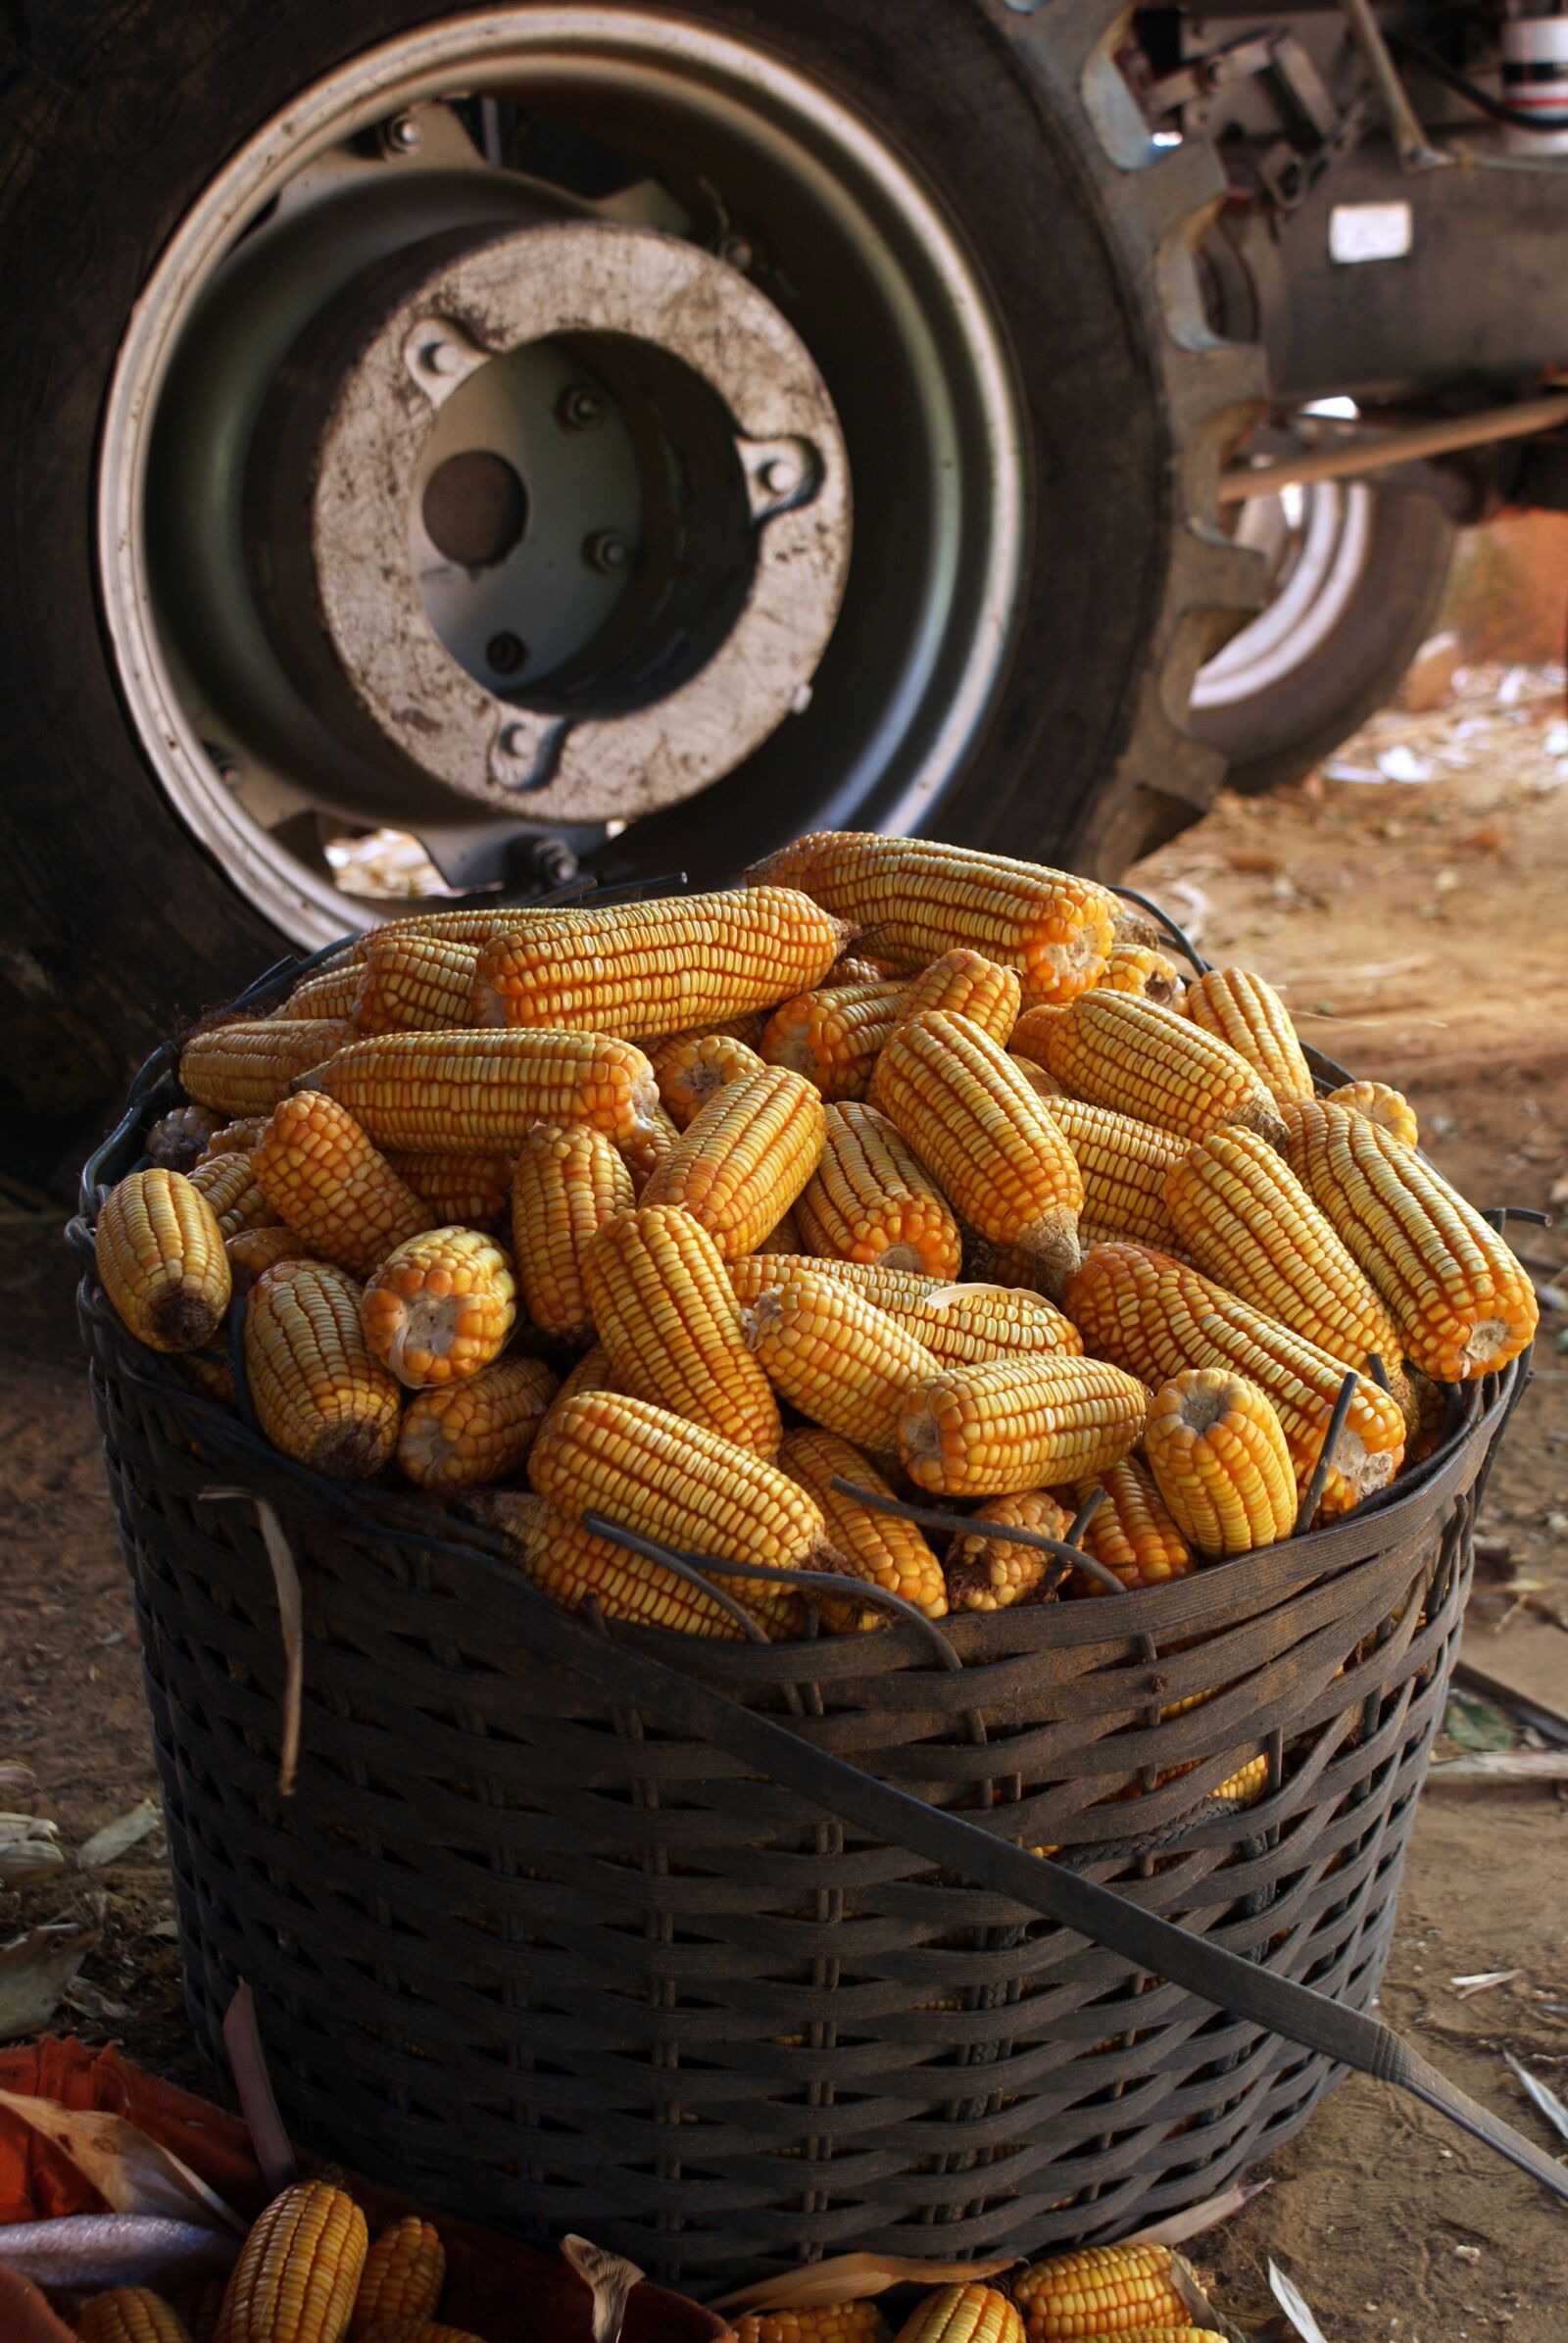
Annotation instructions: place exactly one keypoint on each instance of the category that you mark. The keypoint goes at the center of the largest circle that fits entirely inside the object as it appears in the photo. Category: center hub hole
(475, 509)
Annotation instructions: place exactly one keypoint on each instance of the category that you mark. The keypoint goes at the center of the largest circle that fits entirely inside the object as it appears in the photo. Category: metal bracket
(1410, 142)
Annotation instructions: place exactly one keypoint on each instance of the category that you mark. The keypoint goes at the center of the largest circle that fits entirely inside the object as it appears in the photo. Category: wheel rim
(1318, 540)
(879, 363)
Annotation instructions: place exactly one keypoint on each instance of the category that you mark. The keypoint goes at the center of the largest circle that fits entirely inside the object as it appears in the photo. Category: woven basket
(529, 1953)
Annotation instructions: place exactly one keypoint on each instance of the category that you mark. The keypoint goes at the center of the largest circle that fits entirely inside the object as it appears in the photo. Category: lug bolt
(737, 253)
(227, 765)
(607, 552)
(579, 407)
(440, 357)
(517, 741)
(505, 654)
(403, 135)
(780, 475)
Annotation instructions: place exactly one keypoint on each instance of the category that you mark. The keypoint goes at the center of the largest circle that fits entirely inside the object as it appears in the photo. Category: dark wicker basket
(532, 1955)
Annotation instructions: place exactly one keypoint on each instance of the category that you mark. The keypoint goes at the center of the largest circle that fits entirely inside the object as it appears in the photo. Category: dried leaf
(131, 2173)
(27, 1849)
(1179, 2226)
(291, 1622)
(1483, 1982)
(610, 2278)
(247, 2060)
(855, 2278)
(118, 1838)
(1199, 2310)
(1551, 2106)
(34, 1970)
(16, 1780)
(88, 2250)
(1293, 2304)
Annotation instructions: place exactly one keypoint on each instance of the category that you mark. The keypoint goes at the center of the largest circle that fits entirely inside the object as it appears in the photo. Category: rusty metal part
(1353, 458)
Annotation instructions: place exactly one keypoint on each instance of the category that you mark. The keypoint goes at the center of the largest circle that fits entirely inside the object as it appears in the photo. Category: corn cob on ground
(1131, 1531)
(834, 1036)
(320, 1394)
(463, 1433)
(160, 1260)
(1456, 1291)
(1118, 1049)
(675, 965)
(246, 1067)
(1124, 1165)
(890, 1552)
(440, 1307)
(968, 985)
(230, 1185)
(972, 2314)
(326, 1179)
(1018, 1424)
(1248, 1014)
(993, 1574)
(691, 1068)
(1218, 1456)
(298, 2270)
(404, 2273)
(575, 1567)
(414, 984)
(744, 1160)
(1381, 1104)
(871, 1199)
(1101, 2290)
(958, 1324)
(821, 2322)
(989, 1139)
(130, 2315)
(670, 1325)
(180, 1138)
(837, 1357)
(468, 1191)
(451, 1094)
(569, 1182)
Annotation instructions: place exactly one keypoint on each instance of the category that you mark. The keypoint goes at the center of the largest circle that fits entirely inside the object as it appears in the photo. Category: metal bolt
(737, 251)
(440, 357)
(517, 740)
(780, 475)
(228, 767)
(607, 552)
(505, 654)
(579, 407)
(553, 862)
(403, 135)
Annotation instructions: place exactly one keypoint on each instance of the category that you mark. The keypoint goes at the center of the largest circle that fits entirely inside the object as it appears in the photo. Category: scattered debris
(131, 2173)
(1483, 1982)
(1548, 2101)
(1294, 2305)
(1428, 678)
(118, 1838)
(34, 1970)
(29, 1847)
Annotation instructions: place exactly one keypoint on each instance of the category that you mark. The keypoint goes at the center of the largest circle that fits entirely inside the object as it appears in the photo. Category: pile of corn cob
(896, 1168)
(309, 2272)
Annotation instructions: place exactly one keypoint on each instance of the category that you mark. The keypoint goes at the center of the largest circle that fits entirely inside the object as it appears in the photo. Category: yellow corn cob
(574, 1566)
(1044, 1085)
(1154, 1317)
(253, 1252)
(327, 1181)
(240, 1138)
(592, 1373)
(1034, 1028)
(995, 1151)
(1455, 1288)
(321, 1395)
(1016, 1424)
(568, 1184)
(328, 992)
(1244, 1786)
(959, 1325)
(692, 1068)
(1218, 1452)
(130, 2315)
(464, 925)
(972, 2314)
(180, 1138)
(1118, 1049)
(834, 1038)
(837, 1357)
(890, 1552)
(449, 1093)
(230, 1185)
(681, 1486)
(919, 899)
(298, 2271)
(464, 1432)
(246, 1067)
(1100, 2291)
(647, 1151)
(993, 1574)
(670, 1325)
(1431, 1410)
(786, 1238)
(1247, 1013)
(457, 1191)
(860, 968)
(671, 966)
(440, 1307)
(213, 1376)
(968, 985)
(1247, 1221)
(1141, 968)
(1389, 1108)
(1123, 1164)
(404, 2273)
(418, 2330)
(414, 984)
(161, 1262)
(1004, 1267)
(1132, 1531)
(199, 2304)
(871, 1199)
(744, 1160)
(818, 2323)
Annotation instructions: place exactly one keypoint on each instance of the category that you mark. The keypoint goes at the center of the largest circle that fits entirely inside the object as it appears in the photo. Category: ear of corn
(860, 969)
(871, 1199)
(246, 1067)
(692, 1068)
(440, 1307)
(251, 1252)
(242, 1137)
(1131, 1531)
(1118, 1049)
(1018, 1424)
(916, 899)
(1218, 1452)
(972, 2314)
(574, 1566)
(1099, 2291)
(785, 1237)
(1456, 1291)
(199, 2304)
(891, 1552)
(569, 1182)
(1389, 1108)
(817, 2322)
(160, 1260)
(1043, 1084)
(1248, 1014)
(1142, 968)
(836, 1357)
(326, 1179)
(180, 1138)
(418, 2330)
(230, 1185)
(968, 985)
(404, 2273)
(328, 992)
(834, 1036)
(744, 1160)
(990, 1143)
(644, 1153)
(414, 984)
(1124, 1165)
(1031, 1033)
(320, 1394)
(468, 1191)
(957, 1324)
(298, 2270)
(993, 1574)
(674, 966)
(670, 1325)
(459, 1434)
(1154, 1317)
(450, 1093)
(463, 924)
(130, 2315)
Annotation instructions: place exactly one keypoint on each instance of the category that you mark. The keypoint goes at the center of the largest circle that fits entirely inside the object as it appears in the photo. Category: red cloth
(488, 2277)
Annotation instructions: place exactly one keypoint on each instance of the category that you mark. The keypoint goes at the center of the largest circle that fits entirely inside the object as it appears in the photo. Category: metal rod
(1331, 1440)
(933, 1517)
(1367, 454)
(1410, 142)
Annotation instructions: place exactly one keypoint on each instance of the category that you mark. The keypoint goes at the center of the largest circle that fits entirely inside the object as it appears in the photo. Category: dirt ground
(1417, 930)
